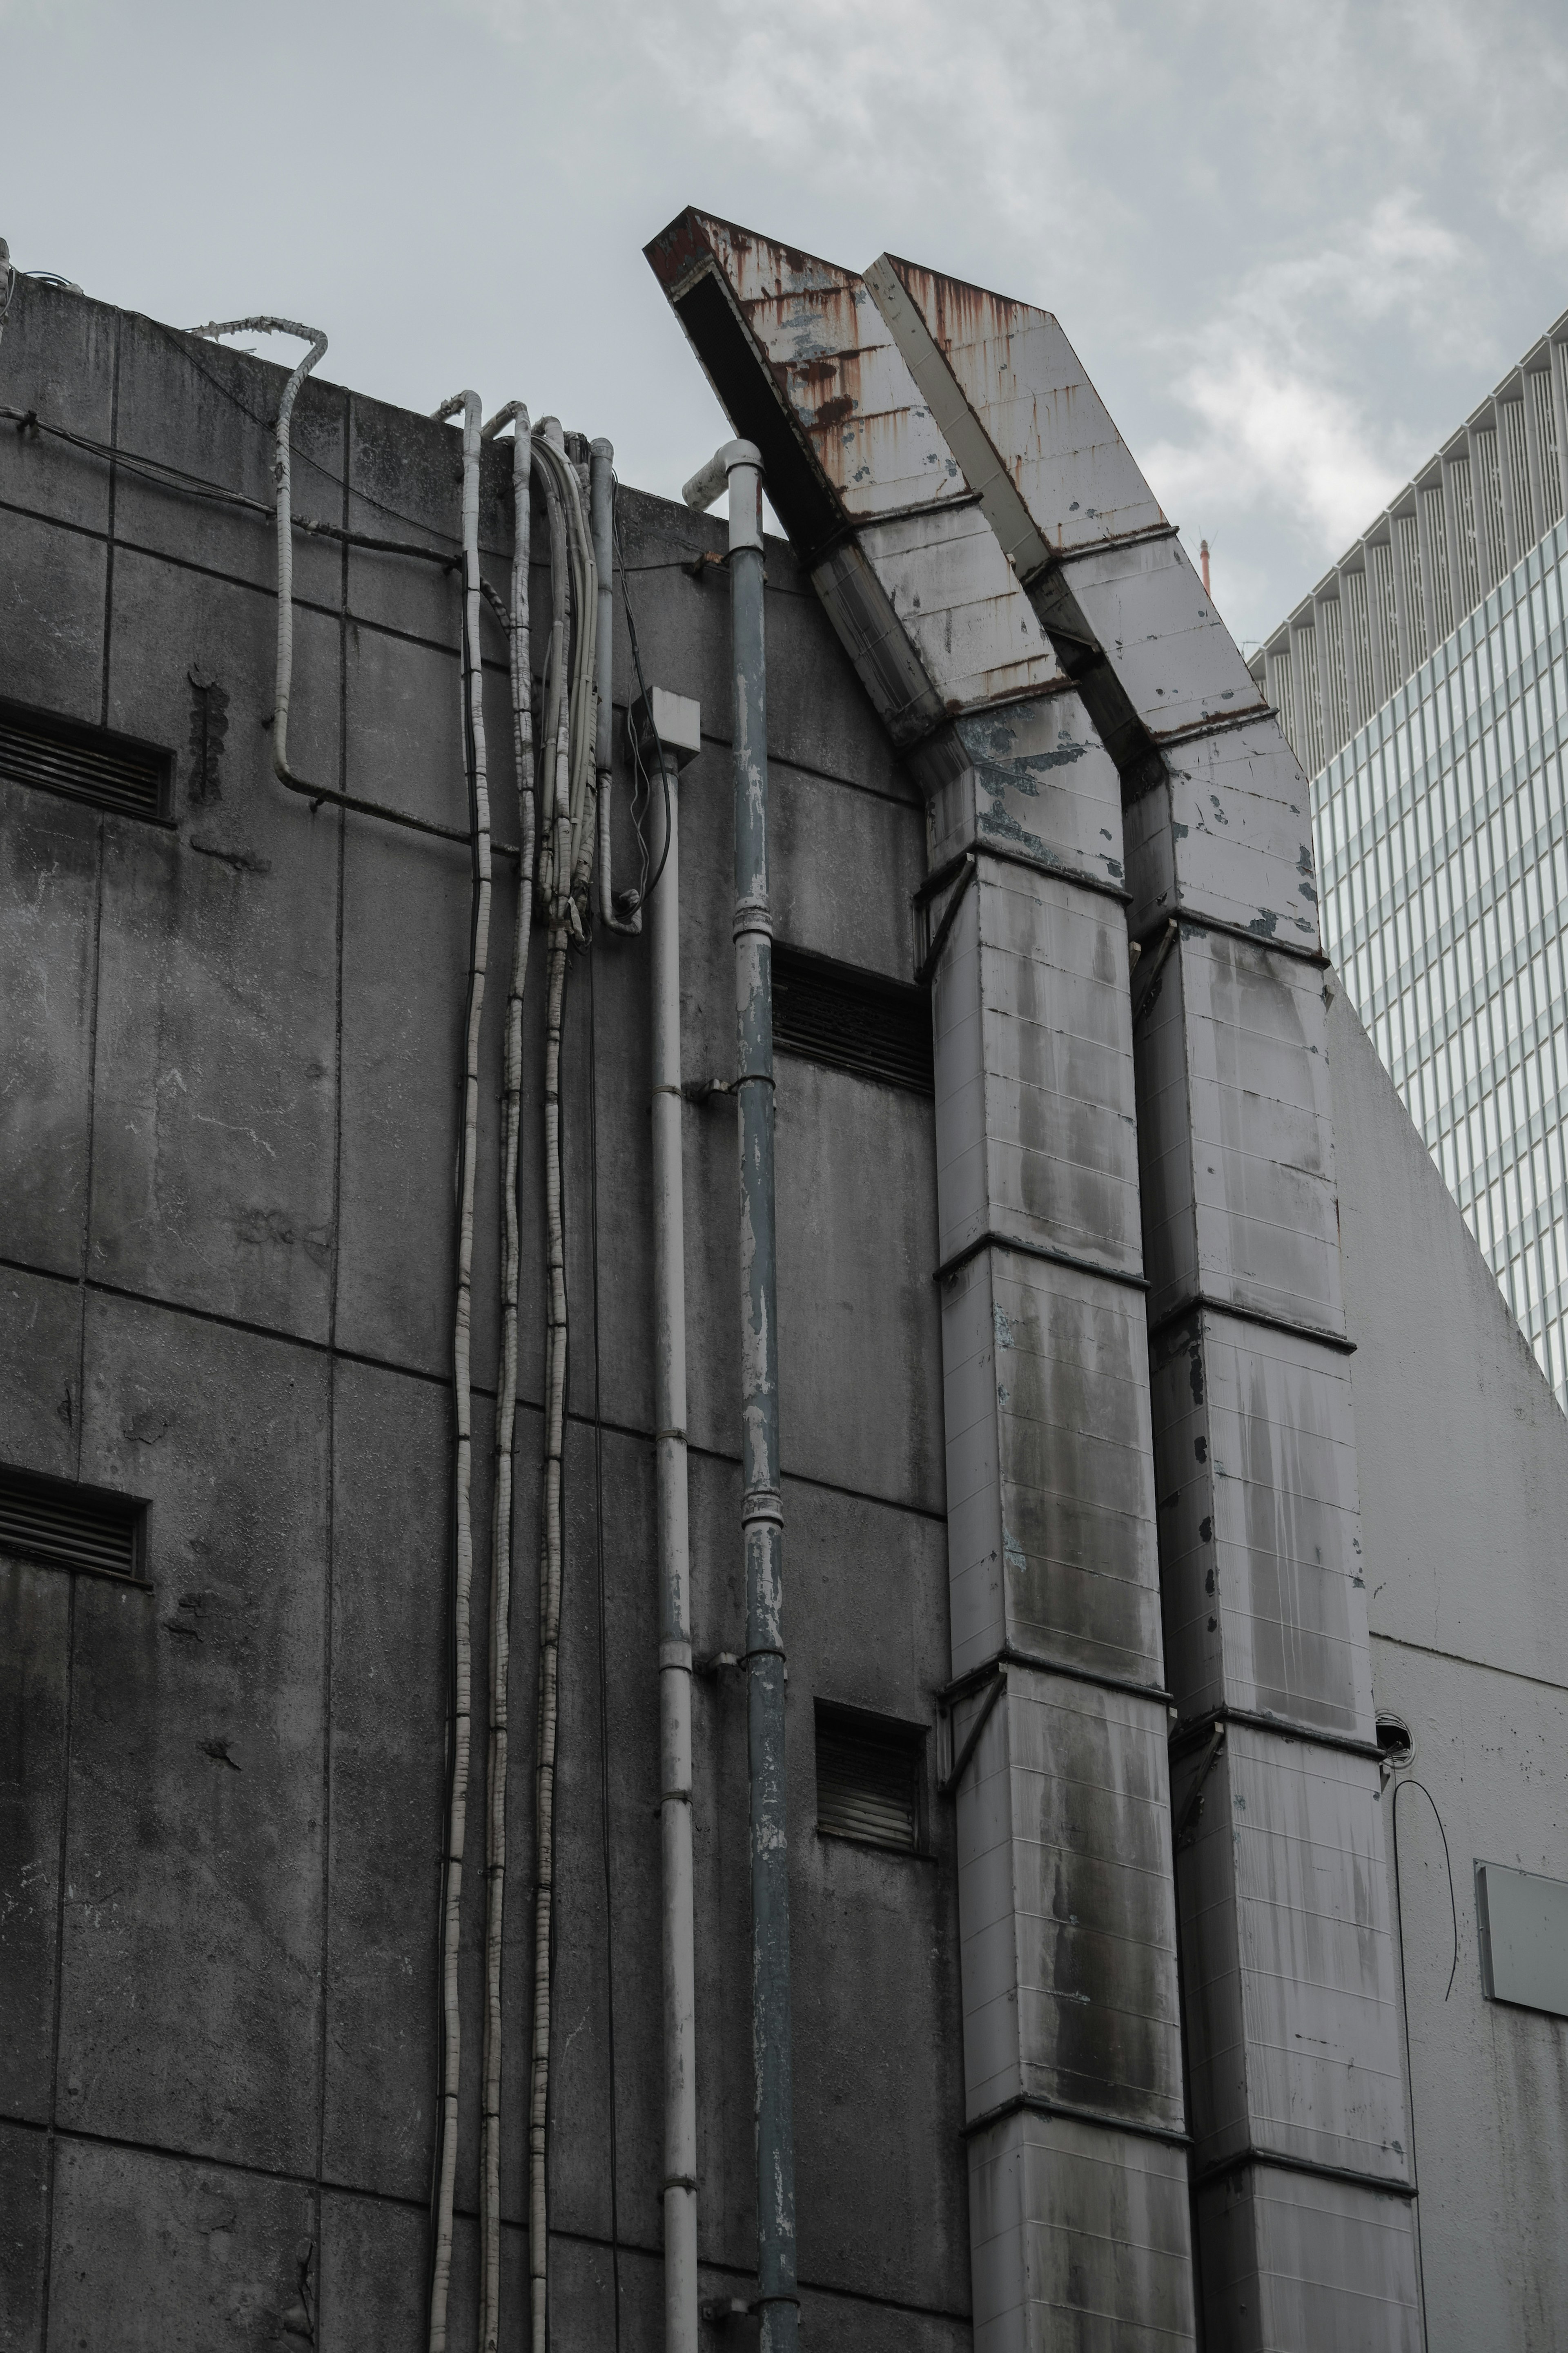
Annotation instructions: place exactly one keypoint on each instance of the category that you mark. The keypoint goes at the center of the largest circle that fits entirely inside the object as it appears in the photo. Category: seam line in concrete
(444, 1381)
(1190, 1732)
(1205, 2176)
(1035, 2103)
(331, 2184)
(492, 666)
(991, 1240)
(1203, 1300)
(1468, 1659)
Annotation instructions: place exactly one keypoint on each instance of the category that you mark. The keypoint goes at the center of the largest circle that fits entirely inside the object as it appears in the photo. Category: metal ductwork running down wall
(1027, 624)
(1300, 2137)
(1080, 2216)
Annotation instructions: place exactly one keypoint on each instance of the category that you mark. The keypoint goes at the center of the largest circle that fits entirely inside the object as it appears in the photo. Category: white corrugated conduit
(280, 476)
(461, 1726)
(563, 784)
(515, 618)
(567, 837)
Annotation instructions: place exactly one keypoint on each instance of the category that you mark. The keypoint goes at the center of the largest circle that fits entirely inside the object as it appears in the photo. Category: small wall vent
(85, 764)
(71, 1527)
(869, 1779)
(855, 1020)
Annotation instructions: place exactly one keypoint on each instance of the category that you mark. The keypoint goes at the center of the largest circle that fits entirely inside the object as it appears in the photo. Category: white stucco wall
(1464, 1489)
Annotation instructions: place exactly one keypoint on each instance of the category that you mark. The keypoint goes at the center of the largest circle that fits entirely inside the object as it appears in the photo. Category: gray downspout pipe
(762, 1511)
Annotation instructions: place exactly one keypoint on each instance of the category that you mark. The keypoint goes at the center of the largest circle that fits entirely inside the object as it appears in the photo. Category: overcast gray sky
(1292, 243)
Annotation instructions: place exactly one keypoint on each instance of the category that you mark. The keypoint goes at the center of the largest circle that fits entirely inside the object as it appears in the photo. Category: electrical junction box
(674, 721)
(1523, 1921)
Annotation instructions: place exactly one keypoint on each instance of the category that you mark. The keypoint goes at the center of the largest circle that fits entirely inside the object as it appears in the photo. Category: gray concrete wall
(1464, 1498)
(227, 1124)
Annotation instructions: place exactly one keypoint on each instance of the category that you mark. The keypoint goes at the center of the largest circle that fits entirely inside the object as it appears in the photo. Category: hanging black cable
(642, 682)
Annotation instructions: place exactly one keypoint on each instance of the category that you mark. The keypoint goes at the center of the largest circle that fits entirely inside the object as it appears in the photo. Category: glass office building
(1424, 686)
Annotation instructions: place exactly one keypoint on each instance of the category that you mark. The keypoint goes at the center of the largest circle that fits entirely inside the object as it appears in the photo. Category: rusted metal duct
(1298, 2113)
(1080, 2226)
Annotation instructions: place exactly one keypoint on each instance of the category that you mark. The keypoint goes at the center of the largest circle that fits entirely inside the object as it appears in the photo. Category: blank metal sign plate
(1523, 1921)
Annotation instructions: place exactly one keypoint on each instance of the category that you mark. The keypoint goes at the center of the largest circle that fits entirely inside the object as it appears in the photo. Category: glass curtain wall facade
(1424, 688)
(1443, 868)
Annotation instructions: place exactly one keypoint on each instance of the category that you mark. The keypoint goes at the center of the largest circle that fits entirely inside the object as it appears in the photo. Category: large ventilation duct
(1298, 2103)
(1079, 2213)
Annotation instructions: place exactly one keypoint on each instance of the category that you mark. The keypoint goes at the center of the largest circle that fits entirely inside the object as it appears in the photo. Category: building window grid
(1354, 584)
(1386, 613)
(1409, 530)
(1470, 568)
(1437, 541)
(1336, 703)
(1473, 1026)
(1491, 504)
(1284, 695)
(1546, 434)
(1512, 414)
(1310, 712)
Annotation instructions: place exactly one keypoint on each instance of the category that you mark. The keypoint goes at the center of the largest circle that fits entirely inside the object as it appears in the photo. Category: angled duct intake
(1079, 2216)
(1297, 2095)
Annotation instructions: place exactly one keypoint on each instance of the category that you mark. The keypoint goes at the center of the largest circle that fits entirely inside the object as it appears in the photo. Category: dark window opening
(1393, 1739)
(85, 764)
(869, 1779)
(854, 1020)
(68, 1525)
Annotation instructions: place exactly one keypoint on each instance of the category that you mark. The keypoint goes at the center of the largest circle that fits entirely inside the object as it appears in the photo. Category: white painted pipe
(680, 2307)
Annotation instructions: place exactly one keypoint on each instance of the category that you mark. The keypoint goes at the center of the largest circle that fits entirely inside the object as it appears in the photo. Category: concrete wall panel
(50, 852)
(1292, 2018)
(210, 410)
(1236, 1144)
(1176, 659)
(213, 1159)
(1029, 777)
(52, 617)
(60, 360)
(1485, 1782)
(1029, 994)
(1059, 1130)
(40, 1362)
(194, 1861)
(159, 2254)
(1080, 2240)
(970, 625)
(859, 1326)
(1255, 1454)
(407, 912)
(391, 1554)
(1070, 1964)
(1293, 2262)
(35, 1651)
(24, 2231)
(1227, 835)
(1047, 1420)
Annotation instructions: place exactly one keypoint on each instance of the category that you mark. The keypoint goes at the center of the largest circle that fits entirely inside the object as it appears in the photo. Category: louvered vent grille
(867, 1780)
(855, 1020)
(69, 1526)
(86, 764)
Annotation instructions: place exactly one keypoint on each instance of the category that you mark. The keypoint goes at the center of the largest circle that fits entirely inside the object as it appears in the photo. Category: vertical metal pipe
(763, 1507)
(681, 2313)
